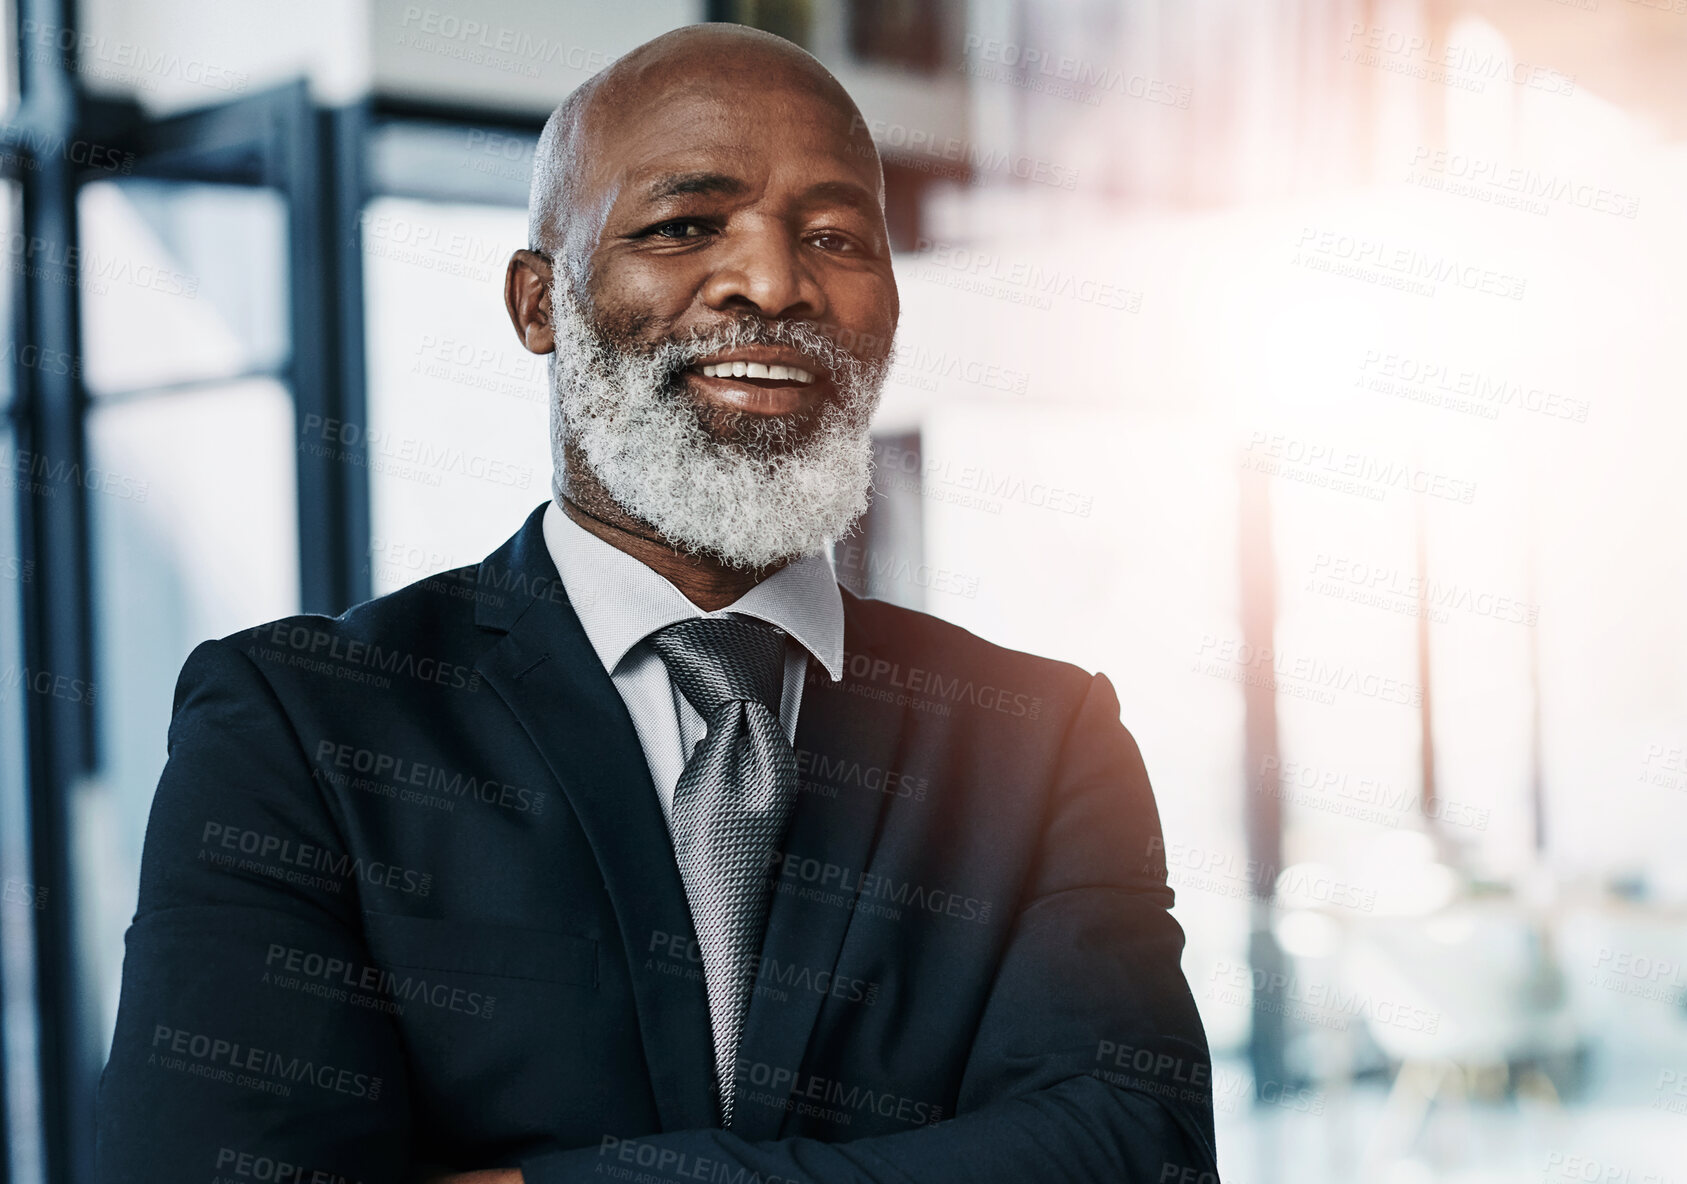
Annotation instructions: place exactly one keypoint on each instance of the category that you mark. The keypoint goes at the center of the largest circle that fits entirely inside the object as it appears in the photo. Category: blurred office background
(1314, 368)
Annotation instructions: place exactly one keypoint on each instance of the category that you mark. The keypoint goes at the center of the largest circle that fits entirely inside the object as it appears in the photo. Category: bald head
(702, 76)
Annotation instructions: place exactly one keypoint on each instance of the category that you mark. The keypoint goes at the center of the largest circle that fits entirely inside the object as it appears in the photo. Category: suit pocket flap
(476, 947)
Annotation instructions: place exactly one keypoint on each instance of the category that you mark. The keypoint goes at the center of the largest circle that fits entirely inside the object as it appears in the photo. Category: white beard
(750, 501)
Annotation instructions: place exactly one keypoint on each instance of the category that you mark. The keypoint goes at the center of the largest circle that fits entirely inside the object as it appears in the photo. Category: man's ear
(527, 295)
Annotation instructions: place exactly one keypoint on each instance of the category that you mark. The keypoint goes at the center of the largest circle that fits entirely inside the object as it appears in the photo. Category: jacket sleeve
(1089, 1064)
(238, 1052)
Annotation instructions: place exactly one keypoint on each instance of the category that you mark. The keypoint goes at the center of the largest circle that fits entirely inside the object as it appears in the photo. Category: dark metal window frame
(313, 157)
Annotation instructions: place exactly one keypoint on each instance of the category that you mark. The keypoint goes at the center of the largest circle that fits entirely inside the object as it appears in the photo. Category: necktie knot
(715, 661)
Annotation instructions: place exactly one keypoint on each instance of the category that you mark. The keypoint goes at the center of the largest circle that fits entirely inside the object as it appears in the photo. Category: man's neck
(706, 582)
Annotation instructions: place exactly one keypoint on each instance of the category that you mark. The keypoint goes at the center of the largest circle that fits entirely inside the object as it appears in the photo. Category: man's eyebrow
(844, 192)
(721, 184)
(684, 184)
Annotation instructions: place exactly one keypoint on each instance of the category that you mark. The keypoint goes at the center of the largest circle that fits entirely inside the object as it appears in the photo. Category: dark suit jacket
(408, 897)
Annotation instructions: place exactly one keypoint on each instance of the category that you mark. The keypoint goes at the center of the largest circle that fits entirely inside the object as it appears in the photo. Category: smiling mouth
(760, 388)
(757, 370)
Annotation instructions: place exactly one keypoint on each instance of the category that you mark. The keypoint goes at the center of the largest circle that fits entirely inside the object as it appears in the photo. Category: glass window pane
(477, 165)
(194, 535)
(458, 432)
(180, 283)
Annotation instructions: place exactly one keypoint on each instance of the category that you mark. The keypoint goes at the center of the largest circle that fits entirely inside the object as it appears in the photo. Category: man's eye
(679, 228)
(831, 240)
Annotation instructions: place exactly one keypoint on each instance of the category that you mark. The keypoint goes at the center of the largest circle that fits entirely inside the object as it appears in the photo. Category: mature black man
(641, 849)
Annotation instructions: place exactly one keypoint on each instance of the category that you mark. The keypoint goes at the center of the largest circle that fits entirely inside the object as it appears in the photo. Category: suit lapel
(545, 669)
(840, 736)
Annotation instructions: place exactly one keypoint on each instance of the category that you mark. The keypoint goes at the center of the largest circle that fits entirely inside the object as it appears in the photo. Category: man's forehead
(689, 142)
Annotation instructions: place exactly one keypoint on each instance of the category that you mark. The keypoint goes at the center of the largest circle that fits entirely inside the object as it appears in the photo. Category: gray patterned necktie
(730, 806)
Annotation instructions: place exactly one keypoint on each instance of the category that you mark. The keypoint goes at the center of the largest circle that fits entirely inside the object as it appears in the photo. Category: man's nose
(763, 270)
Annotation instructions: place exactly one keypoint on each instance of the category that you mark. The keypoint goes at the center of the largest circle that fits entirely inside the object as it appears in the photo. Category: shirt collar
(620, 601)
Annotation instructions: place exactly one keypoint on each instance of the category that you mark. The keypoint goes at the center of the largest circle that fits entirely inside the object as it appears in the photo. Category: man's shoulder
(434, 606)
(421, 634)
(939, 656)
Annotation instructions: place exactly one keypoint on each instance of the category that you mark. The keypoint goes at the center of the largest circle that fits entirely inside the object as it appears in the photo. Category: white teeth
(757, 370)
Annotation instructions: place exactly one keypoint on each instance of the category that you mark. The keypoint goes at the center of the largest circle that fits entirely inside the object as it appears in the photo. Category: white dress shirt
(621, 602)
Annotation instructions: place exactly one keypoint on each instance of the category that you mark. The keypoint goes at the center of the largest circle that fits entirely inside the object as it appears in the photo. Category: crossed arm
(1094, 957)
(1091, 968)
